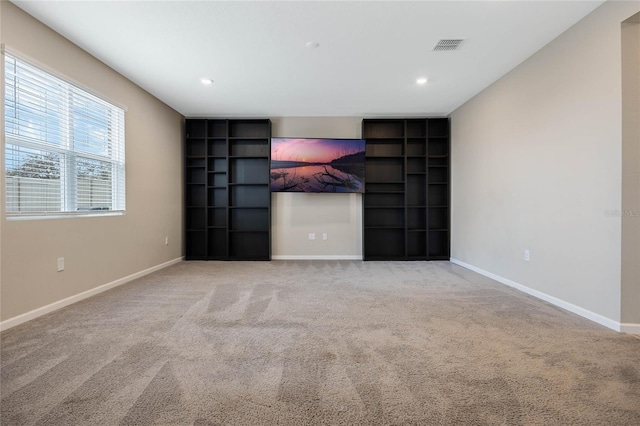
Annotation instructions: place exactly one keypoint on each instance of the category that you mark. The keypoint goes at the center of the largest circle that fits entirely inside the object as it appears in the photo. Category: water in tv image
(317, 165)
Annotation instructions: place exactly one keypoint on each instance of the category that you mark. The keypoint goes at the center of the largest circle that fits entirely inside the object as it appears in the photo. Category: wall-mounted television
(317, 165)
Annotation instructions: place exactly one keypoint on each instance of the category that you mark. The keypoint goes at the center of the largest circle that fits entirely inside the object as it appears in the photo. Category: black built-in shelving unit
(227, 197)
(406, 200)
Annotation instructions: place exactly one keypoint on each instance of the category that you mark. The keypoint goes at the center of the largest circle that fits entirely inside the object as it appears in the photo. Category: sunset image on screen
(317, 165)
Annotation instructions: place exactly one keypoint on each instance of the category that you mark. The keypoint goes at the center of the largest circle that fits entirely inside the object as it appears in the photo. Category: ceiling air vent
(446, 44)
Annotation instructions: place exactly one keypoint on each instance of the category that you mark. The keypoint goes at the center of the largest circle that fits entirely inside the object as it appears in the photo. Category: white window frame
(113, 146)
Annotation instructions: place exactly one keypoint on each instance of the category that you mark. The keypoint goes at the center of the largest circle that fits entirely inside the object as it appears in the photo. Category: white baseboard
(630, 328)
(316, 257)
(607, 322)
(17, 320)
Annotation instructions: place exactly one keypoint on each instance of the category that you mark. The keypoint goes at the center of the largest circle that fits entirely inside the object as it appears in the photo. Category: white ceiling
(370, 53)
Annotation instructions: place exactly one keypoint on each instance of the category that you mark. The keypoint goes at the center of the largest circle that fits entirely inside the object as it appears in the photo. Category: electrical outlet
(527, 255)
(60, 264)
(325, 236)
(312, 236)
(166, 241)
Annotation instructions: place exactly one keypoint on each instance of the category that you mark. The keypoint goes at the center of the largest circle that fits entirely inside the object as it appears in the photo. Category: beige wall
(536, 164)
(631, 170)
(295, 215)
(97, 250)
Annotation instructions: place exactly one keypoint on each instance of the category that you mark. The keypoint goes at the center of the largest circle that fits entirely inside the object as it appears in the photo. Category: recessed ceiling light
(312, 44)
(206, 81)
(422, 81)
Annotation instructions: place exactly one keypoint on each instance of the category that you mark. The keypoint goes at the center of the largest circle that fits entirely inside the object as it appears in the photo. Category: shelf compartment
(249, 170)
(218, 216)
(416, 218)
(196, 245)
(438, 195)
(438, 127)
(439, 244)
(195, 218)
(196, 128)
(384, 148)
(195, 148)
(217, 244)
(384, 200)
(195, 175)
(249, 148)
(416, 165)
(217, 197)
(391, 216)
(217, 179)
(249, 245)
(217, 148)
(249, 219)
(249, 129)
(417, 244)
(372, 187)
(196, 195)
(416, 190)
(195, 162)
(377, 129)
(250, 195)
(438, 147)
(217, 164)
(417, 147)
(217, 128)
(438, 218)
(384, 170)
(438, 175)
(438, 161)
(384, 243)
(416, 128)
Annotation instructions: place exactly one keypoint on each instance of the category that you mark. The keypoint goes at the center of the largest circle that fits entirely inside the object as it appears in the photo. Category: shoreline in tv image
(317, 165)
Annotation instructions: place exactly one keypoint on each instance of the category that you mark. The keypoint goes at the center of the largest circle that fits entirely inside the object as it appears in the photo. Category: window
(64, 147)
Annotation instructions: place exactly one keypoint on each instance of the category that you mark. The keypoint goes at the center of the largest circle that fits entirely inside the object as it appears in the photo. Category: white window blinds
(64, 148)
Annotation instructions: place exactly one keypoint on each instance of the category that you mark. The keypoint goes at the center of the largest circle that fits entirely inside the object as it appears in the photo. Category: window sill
(11, 217)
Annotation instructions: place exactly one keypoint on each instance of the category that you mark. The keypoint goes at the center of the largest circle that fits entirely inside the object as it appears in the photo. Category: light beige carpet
(317, 342)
